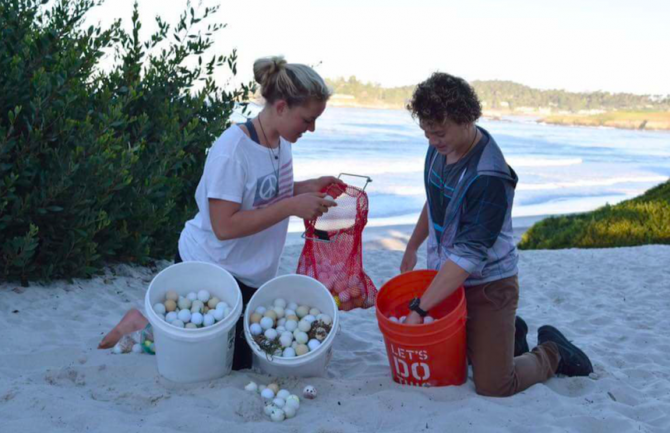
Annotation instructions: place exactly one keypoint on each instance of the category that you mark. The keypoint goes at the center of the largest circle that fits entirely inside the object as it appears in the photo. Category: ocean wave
(590, 183)
(542, 162)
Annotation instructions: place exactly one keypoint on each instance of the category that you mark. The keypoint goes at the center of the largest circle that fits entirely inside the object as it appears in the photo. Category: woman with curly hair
(467, 220)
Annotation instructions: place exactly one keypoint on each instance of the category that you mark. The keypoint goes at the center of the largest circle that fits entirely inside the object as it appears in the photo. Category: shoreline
(589, 121)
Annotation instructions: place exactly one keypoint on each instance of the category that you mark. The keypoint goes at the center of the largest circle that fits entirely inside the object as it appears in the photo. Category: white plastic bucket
(193, 355)
(302, 290)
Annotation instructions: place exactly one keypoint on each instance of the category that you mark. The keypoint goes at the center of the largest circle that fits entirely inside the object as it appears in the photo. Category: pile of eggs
(289, 325)
(280, 404)
(348, 291)
(195, 310)
(426, 320)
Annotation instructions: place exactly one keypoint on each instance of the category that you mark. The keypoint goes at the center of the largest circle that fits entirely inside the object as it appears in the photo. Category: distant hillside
(504, 97)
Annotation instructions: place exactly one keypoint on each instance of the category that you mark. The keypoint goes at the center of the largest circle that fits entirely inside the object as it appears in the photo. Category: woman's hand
(319, 184)
(311, 205)
(408, 260)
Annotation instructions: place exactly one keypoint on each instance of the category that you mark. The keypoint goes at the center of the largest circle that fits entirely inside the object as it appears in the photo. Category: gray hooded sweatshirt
(474, 224)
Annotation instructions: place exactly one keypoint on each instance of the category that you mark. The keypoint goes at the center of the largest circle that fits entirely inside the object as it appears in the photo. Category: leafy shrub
(101, 166)
(639, 221)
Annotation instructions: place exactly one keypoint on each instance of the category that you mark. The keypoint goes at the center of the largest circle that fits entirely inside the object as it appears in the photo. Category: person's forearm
(250, 222)
(448, 279)
(420, 232)
(300, 187)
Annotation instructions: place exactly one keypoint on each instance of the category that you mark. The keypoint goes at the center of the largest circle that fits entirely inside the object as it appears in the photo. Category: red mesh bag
(333, 249)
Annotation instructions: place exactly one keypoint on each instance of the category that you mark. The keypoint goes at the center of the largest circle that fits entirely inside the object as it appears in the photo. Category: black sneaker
(573, 362)
(520, 332)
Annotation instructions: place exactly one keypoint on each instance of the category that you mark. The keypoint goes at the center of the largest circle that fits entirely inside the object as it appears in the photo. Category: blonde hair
(293, 82)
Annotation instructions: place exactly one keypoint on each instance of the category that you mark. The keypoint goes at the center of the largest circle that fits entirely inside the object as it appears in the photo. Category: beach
(612, 303)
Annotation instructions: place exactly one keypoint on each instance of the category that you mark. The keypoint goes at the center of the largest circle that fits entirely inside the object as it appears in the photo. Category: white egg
(203, 296)
(302, 311)
(283, 393)
(255, 329)
(394, 319)
(280, 302)
(137, 348)
(292, 306)
(252, 386)
(159, 308)
(309, 318)
(288, 352)
(314, 312)
(329, 197)
(184, 303)
(261, 310)
(191, 325)
(197, 306)
(279, 402)
(309, 392)
(291, 325)
(269, 407)
(288, 312)
(184, 316)
(218, 314)
(267, 323)
(280, 329)
(192, 296)
(196, 318)
(326, 319)
(293, 401)
(222, 305)
(117, 349)
(289, 411)
(402, 319)
(304, 326)
(280, 312)
(268, 394)
(300, 336)
(313, 344)
(277, 415)
(294, 345)
(285, 340)
(171, 317)
(428, 319)
(270, 334)
(208, 320)
(178, 323)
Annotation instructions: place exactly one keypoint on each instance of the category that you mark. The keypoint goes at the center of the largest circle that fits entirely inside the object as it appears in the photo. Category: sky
(575, 45)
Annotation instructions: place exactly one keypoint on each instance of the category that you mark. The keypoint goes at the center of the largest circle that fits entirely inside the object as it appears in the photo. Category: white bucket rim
(190, 333)
(298, 360)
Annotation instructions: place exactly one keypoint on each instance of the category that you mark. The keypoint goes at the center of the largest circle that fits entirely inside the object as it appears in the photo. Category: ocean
(561, 169)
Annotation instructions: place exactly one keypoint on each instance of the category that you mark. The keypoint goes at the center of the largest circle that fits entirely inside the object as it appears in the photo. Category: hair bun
(266, 67)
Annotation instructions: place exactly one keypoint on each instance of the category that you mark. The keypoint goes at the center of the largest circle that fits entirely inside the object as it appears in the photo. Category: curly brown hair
(444, 96)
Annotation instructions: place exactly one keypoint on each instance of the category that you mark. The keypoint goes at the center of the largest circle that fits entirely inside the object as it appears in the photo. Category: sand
(614, 303)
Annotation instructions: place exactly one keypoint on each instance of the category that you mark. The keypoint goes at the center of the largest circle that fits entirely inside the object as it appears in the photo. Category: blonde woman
(247, 193)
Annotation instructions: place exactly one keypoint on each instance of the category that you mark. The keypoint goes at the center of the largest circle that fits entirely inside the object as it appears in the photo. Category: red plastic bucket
(431, 354)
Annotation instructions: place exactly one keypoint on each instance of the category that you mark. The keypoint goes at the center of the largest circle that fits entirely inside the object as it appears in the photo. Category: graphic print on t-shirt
(266, 187)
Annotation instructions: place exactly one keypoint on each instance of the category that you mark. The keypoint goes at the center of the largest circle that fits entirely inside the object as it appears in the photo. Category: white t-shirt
(240, 170)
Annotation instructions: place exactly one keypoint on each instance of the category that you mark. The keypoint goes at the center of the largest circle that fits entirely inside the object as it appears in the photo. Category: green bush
(639, 221)
(100, 166)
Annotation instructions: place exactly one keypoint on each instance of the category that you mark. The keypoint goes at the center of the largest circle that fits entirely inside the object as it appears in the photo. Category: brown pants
(490, 342)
